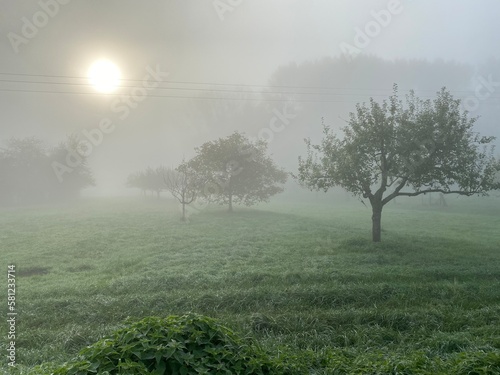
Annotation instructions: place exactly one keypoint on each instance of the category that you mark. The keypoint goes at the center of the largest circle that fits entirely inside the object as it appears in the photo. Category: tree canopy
(392, 149)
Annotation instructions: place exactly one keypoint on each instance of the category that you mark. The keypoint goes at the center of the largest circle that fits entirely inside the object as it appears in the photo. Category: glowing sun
(104, 75)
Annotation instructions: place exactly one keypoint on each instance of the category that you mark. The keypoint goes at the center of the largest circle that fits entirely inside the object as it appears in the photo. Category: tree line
(388, 149)
(27, 175)
(227, 171)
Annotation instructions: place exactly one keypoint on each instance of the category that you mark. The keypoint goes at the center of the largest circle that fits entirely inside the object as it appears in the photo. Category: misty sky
(194, 43)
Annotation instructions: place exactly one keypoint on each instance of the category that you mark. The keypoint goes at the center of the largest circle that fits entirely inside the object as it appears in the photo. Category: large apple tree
(392, 149)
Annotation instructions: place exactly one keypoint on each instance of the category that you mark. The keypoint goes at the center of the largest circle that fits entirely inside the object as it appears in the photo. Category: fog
(224, 66)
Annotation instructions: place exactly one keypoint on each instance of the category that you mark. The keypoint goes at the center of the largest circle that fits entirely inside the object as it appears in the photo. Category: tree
(182, 185)
(235, 170)
(137, 180)
(26, 175)
(24, 172)
(154, 178)
(79, 177)
(425, 146)
(148, 180)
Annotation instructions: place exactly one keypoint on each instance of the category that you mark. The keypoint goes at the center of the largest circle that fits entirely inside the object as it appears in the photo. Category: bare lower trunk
(442, 201)
(376, 222)
(230, 203)
(183, 211)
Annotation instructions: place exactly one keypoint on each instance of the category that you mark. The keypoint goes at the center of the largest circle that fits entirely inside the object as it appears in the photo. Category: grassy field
(303, 279)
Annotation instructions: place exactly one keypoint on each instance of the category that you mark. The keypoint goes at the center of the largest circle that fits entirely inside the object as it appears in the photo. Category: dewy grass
(303, 279)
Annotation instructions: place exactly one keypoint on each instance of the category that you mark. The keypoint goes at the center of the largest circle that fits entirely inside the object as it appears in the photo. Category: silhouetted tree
(78, 177)
(27, 176)
(426, 146)
(24, 171)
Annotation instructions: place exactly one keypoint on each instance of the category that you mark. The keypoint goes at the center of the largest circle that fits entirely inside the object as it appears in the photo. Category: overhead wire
(265, 89)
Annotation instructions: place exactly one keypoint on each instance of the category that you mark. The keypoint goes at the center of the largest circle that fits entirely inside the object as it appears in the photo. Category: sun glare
(104, 76)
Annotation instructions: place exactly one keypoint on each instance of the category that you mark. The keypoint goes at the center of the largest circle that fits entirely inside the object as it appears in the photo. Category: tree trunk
(376, 222)
(230, 203)
(183, 211)
(442, 201)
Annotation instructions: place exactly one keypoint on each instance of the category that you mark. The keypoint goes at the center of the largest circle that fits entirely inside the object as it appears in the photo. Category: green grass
(303, 279)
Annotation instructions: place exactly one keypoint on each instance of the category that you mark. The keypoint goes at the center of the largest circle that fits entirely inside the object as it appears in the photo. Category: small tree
(235, 170)
(427, 146)
(182, 185)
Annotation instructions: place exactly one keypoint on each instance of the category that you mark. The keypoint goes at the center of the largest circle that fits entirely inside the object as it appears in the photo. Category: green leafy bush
(184, 345)
(194, 344)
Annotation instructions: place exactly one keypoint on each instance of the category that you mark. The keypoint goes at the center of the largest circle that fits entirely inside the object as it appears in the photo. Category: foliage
(176, 345)
(148, 180)
(427, 146)
(80, 176)
(27, 176)
(235, 170)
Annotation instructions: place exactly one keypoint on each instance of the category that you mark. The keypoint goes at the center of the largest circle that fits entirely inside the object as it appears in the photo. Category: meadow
(302, 278)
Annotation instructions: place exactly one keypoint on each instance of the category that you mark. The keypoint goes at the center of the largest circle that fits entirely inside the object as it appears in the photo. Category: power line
(198, 89)
(194, 97)
(211, 97)
(177, 96)
(193, 82)
(207, 90)
(217, 83)
(187, 88)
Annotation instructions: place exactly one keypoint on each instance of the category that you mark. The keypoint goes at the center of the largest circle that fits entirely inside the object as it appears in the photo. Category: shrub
(184, 345)
(194, 344)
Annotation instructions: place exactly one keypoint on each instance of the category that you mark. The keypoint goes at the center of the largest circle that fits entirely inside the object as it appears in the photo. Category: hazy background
(262, 55)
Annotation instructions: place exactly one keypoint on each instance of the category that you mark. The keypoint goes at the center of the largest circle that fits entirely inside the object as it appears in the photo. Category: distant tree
(181, 183)
(148, 180)
(137, 180)
(235, 170)
(154, 179)
(80, 176)
(425, 146)
(24, 171)
(26, 175)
